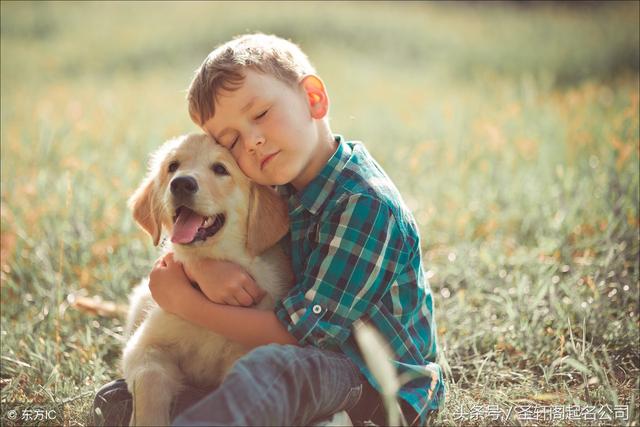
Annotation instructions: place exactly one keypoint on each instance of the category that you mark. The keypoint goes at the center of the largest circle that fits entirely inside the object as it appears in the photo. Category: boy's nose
(256, 141)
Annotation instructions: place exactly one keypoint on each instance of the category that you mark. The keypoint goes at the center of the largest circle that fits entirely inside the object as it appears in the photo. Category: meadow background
(510, 129)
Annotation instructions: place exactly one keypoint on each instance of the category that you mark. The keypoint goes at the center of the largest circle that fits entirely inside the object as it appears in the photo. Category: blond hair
(224, 69)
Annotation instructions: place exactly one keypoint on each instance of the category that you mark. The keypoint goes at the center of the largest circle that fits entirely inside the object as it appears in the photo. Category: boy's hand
(224, 282)
(170, 286)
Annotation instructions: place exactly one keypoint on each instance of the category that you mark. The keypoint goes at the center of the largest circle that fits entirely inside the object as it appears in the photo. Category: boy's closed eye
(233, 144)
(261, 115)
(235, 140)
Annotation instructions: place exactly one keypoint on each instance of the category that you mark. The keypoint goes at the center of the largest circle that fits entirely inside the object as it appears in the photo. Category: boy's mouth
(190, 227)
(268, 159)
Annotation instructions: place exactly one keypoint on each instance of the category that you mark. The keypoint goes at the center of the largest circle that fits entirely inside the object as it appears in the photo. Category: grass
(511, 131)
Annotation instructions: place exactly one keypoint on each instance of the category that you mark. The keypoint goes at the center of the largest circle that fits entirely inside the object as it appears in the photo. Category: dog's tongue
(186, 226)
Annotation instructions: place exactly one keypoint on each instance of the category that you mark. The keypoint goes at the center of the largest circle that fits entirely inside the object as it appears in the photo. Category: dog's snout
(184, 186)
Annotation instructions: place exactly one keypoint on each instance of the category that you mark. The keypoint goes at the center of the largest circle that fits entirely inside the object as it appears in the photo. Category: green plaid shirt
(355, 252)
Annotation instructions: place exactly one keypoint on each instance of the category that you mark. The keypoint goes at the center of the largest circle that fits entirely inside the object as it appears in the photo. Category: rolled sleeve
(355, 256)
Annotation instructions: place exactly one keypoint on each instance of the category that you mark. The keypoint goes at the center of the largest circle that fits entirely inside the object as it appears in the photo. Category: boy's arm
(248, 326)
(340, 288)
(172, 290)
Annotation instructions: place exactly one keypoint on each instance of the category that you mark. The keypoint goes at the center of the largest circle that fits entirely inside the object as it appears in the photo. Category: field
(512, 131)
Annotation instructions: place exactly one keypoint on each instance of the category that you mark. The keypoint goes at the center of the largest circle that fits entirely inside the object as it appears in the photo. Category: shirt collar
(316, 194)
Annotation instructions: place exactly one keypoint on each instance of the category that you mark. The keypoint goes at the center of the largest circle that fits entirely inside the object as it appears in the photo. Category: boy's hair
(224, 69)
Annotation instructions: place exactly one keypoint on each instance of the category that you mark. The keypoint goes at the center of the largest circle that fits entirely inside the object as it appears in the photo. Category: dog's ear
(144, 206)
(268, 219)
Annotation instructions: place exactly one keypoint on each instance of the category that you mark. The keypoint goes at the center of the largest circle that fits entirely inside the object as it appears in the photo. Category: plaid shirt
(355, 252)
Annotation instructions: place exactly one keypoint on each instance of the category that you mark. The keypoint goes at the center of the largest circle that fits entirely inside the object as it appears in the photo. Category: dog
(195, 190)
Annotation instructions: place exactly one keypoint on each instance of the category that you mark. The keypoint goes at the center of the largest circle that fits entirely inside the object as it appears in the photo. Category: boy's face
(270, 128)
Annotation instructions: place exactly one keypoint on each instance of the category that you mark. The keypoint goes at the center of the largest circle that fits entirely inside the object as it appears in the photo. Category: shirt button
(317, 309)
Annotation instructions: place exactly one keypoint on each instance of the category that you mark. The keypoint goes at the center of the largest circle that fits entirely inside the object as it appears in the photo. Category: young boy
(354, 246)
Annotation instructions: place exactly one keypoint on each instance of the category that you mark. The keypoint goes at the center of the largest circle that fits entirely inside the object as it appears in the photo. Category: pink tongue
(186, 226)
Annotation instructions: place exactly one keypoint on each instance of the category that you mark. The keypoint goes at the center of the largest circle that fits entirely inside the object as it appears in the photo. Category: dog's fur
(165, 353)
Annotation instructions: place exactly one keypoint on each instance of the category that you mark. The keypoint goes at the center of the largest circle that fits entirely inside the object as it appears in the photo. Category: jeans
(272, 385)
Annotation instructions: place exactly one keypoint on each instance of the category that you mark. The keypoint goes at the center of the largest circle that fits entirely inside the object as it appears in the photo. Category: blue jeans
(280, 385)
(272, 385)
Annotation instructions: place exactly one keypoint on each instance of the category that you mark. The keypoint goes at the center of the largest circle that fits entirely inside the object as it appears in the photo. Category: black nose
(183, 186)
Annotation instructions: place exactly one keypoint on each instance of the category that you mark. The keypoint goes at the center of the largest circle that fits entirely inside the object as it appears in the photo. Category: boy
(355, 254)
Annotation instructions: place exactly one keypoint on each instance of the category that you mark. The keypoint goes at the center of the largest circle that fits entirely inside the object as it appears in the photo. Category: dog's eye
(173, 166)
(219, 169)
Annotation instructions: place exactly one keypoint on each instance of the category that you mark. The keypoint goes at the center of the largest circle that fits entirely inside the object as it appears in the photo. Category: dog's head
(195, 190)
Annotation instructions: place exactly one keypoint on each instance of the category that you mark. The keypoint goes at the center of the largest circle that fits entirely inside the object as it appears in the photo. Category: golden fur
(165, 353)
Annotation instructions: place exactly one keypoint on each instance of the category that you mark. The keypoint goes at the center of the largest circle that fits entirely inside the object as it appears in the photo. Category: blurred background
(510, 128)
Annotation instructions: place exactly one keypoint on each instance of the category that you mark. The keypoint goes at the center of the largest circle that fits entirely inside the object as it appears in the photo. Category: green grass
(511, 131)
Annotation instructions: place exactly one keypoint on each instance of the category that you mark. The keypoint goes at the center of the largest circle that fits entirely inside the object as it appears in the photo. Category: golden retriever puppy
(196, 192)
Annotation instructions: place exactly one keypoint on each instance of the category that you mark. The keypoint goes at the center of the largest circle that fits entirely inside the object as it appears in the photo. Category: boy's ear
(317, 97)
(144, 205)
(268, 219)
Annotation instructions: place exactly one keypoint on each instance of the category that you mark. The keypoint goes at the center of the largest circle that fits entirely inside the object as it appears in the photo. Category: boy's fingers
(216, 299)
(169, 260)
(231, 300)
(244, 298)
(254, 291)
(187, 272)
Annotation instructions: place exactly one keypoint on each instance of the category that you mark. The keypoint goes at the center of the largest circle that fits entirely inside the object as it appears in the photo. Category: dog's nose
(184, 186)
